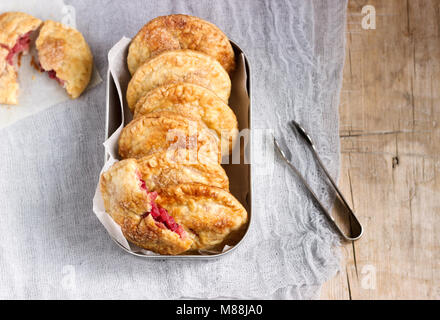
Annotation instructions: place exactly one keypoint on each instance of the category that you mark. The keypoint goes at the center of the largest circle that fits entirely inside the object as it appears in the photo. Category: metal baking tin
(114, 120)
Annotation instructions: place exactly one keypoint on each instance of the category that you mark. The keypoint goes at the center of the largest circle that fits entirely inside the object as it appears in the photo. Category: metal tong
(355, 226)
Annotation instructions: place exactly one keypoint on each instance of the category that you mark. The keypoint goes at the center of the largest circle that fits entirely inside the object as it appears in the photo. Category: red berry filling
(21, 45)
(143, 186)
(53, 75)
(161, 215)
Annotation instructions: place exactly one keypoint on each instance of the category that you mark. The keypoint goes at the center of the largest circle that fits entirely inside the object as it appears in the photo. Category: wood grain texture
(390, 145)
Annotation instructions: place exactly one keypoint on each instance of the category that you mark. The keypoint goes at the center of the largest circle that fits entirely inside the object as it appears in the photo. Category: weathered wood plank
(390, 144)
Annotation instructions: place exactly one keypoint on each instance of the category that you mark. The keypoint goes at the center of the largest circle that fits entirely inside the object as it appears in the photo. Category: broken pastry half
(180, 31)
(65, 56)
(15, 38)
(172, 220)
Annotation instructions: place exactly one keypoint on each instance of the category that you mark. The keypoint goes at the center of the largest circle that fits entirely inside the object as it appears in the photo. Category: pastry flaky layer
(162, 169)
(179, 216)
(179, 66)
(15, 29)
(13, 25)
(209, 214)
(179, 31)
(194, 101)
(182, 137)
(63, 50)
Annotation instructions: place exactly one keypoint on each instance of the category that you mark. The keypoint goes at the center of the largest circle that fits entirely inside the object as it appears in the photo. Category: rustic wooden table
(390, 152)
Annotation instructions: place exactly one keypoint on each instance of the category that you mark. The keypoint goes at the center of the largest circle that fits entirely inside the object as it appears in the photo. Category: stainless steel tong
(356, 229)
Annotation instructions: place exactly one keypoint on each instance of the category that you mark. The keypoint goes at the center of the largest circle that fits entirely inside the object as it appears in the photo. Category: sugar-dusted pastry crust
(130, 206)
(179, 31)
(206, 212)
(179, 66)
(8, 80)
(122, 192)
(191, 100)
(63, 50)
(15, 24)
(160, 170)
(170, 132)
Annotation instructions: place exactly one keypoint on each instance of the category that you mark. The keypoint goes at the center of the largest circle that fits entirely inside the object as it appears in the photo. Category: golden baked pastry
(171, 220)
(179, 66)
(193, 101)
(208, 213)
(133, 207)
(15, 31)
(8, 80)
(159, 170)
(170, 132)
(179, 31)
(66, 56)
(15, 28)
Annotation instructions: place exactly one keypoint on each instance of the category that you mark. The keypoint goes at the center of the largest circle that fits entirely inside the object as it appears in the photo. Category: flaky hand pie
(66, 56)
(166, 131)
(161, 169)
(171, 220)
(192, 101)
(158, 171)
(15, 31)
(179, 66)
(133, 207)
(179, 31)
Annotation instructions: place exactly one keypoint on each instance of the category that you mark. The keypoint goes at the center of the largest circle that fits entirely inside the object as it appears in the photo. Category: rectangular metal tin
(114, 119)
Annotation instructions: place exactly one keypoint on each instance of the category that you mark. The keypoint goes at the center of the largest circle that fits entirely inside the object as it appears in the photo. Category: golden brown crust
(160, 171)
(179, 66)
(64, 50)
(128, 204)
(15, 24)
(207, 212)
(146, 234)
(193, 101)
(8, 80)
(165, 131)
(179, 31)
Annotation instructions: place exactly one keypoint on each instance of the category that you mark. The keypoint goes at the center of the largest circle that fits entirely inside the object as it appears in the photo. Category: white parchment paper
(37, 91)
